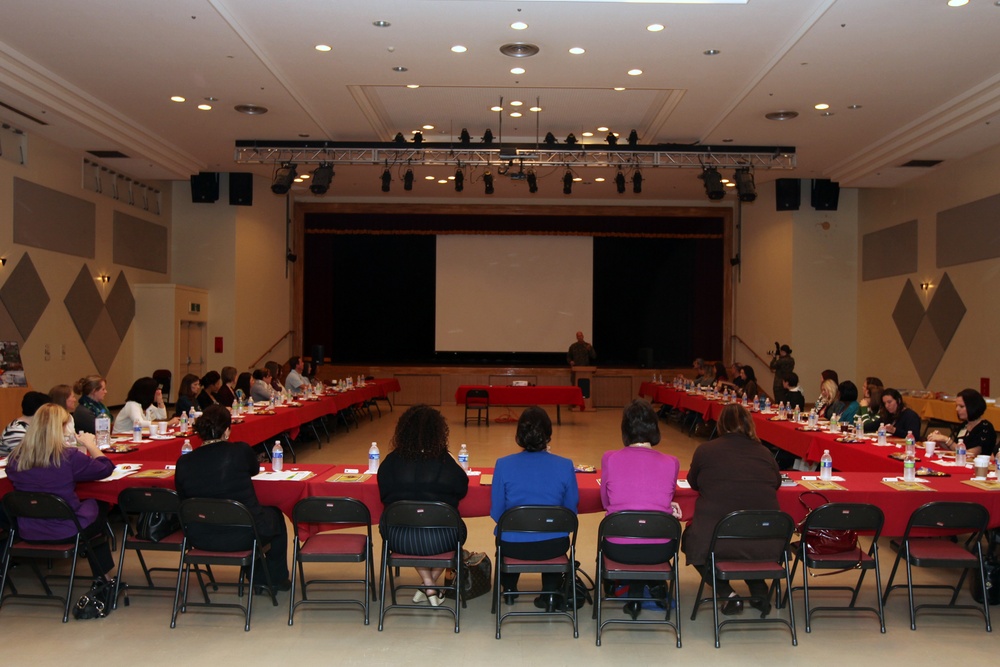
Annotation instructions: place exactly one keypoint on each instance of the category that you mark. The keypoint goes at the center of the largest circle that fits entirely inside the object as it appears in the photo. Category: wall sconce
(104, 279)
(926, 286)
(3, 261)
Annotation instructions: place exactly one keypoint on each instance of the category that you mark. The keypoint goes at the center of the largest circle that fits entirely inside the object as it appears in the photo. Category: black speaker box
(787, 194)
(240, 188)
(205, 187)
(825, 194)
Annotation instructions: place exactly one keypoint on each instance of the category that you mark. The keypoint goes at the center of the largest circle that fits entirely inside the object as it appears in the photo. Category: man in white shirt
(294, 383)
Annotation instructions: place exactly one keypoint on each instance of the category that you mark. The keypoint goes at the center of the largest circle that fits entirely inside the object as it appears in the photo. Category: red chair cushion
(334, 544)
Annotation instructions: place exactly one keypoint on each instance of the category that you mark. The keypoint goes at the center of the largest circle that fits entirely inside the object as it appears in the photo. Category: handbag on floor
(477, 576)
(97, 602)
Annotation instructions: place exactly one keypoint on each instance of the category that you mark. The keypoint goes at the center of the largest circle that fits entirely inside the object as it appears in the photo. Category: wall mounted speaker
(240, 188)
(787, 194)
(205, 187)
(825, 194)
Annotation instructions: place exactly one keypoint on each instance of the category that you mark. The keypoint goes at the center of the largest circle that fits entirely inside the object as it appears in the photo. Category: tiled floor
(141, 634)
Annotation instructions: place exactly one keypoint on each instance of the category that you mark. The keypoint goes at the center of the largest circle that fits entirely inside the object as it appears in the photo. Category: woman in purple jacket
(52, 460)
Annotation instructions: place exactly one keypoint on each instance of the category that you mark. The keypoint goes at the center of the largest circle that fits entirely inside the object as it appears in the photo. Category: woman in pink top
(639, 478)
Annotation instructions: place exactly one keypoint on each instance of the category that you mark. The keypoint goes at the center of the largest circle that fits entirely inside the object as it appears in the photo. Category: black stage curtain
(369, 287)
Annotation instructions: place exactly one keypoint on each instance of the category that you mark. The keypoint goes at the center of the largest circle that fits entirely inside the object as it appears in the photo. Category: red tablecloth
(502, 395)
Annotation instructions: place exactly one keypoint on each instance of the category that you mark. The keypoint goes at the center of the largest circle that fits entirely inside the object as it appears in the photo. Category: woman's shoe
(548, 602)
(419, 597)
(632, 609)
(509, 600)
(732, 606)
(436, 599)
(761, 604)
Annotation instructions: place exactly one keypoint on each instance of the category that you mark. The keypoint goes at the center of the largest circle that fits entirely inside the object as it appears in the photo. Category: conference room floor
(141, 634)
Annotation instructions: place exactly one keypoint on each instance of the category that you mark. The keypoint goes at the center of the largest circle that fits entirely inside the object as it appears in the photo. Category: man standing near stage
(581, 353)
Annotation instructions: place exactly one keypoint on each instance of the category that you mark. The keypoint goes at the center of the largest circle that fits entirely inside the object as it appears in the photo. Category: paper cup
(929, 448)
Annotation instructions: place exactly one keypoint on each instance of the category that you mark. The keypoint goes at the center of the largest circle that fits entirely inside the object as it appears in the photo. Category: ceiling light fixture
(821, 106)
(634, 72)
(517, 70)
(713, 183)
(711, 52)
(458, 48)
(322, 176)
(205, 107)
(177, 98)
(532, 181)
(620, 181)
(386, 179)
(459, 180)
(745, 188)
(637, 182)
(488, 182)
(519, 25)
(381, 24)
(654, 27)
(568, 183)
(408, 180)
(283, 178)
(324, 47)
(577, 51)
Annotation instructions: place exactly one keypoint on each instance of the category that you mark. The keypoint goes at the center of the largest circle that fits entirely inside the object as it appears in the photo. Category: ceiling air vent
(923, 164)
(108, 154)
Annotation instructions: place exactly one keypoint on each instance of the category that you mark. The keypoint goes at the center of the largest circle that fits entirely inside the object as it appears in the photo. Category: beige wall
(972, 353)
(61, 169)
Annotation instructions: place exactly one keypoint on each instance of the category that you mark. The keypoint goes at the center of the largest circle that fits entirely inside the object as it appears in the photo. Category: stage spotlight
(568, 182)
(488, 182)
(488, 137)
(713, 183)
(408, 180)
(386, 180)
(532, 181)
(745, 188)
(571, 139)
(464, 138)
(321, 179)
(620, 181)
(637, 182)
(283, 178)
(418, 137)
(459, 180)
(550, 139)
(400, 139)
(633, 138)
(611, 139)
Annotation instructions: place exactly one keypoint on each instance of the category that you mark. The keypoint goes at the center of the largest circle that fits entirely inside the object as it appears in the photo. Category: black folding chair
(479, 401)
(634, 525)
(414, 514)
(537, 519)
(340, 547)
(772, 528)
(923, 545)
(857, 517)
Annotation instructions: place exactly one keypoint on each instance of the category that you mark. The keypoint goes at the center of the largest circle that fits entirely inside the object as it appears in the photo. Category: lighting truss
(672, 156)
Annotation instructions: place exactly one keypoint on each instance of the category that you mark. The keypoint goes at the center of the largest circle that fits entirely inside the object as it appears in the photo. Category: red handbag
(822, 542)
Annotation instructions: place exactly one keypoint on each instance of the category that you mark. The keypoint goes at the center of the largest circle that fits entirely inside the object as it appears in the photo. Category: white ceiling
(100, 74)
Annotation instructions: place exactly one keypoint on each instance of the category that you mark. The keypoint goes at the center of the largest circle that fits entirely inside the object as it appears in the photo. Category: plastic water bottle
(881, 434)
(186, 447)
(136, 432)
(911, 444)
(909, 468)
(960, 452)
(102, 426)
(463, 457)
(277, 457)
(184, 423)
(373, 458)
(826, 466)
(813, 417)
(767, 404)
(834, 423)
(796, 413)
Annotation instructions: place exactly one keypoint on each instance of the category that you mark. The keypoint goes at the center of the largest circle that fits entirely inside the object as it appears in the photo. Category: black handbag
(97, 602)
(477, 576)
(584, 588)
(991, 565)
(154, 526)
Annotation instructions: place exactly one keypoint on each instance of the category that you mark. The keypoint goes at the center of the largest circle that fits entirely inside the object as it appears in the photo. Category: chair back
(138, 499)
(477, 397)
(216, 512)
(951, 516)
(845, 516)
(538, 519)
(38, 505)
(420, 514)
(758, 525)
(332, 510)
(640, 525)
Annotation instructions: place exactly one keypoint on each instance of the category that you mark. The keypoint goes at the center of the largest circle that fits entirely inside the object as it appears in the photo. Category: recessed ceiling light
(654, 27)
(251, 109)
(516, 103)
(858, 106)
(634, 72)
(781, 115)
(302, 177)
(535, 109)
(826, 113)
(400, 68)
(619, 89)
(821, 106)
(211, 99)
(412, 85)
(428, 178)
(588, 134)
(324, 47)
(177, 98)
(599, 179)
(517, 70)
(577, 179)
(381, 24)
(205, 107)
(519, 25)
(496, 108)
(451, 178)
(711, 52)
(727, 141)
(298, 180)
(724, 180)
(303, 135)
(458, 48)
(957, 3)
(730, 185)
(443, 181)
(602, 129)
(577, 51)
(428, 127)
(515, 114)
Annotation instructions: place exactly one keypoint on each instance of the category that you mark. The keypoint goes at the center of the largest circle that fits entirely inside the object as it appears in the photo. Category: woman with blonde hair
(44, 463)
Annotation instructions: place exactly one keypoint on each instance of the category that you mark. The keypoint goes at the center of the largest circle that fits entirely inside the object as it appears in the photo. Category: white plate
(162, 437)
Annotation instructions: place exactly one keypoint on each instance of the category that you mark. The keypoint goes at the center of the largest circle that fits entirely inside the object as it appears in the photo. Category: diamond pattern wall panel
(946, 310)
(908, 313)
(121, 305)
(24, 296)
(84, 303)
(927, 333)
(102, 324)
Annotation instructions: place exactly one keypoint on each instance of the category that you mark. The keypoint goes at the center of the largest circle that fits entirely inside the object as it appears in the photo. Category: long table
(504, 395)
